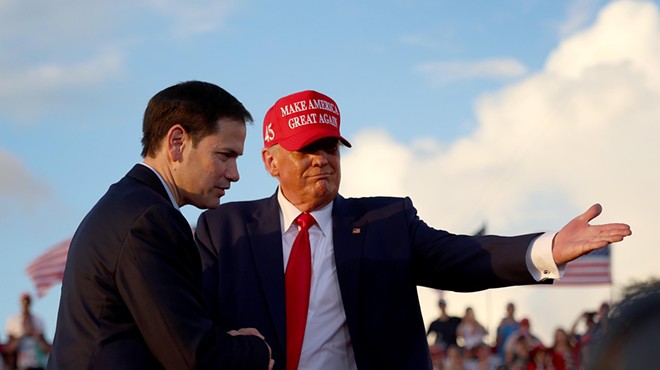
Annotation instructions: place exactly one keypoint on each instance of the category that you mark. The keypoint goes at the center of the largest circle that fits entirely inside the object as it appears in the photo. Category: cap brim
(294, 143)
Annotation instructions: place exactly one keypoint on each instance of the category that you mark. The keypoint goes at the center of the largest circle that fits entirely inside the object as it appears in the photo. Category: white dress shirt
(327, 344)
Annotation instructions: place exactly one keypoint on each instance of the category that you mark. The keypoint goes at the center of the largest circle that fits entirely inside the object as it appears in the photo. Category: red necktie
(297, 278)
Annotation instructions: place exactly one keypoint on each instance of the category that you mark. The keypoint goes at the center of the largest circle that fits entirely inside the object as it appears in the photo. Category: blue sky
(516, 113)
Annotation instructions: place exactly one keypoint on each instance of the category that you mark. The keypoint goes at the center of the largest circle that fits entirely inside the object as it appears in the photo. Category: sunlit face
(309, 178)
(207, 170)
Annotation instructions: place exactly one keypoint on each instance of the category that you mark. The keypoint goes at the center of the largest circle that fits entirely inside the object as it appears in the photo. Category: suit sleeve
(466, 263)
(159, 278)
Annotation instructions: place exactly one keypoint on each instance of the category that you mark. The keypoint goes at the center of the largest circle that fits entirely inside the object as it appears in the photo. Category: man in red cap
(356, 262)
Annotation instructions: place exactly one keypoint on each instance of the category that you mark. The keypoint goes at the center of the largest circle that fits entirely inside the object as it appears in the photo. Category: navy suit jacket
(132, 291)
(382, 250)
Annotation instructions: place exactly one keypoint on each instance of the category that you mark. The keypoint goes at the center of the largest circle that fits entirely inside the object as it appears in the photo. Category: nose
(232, 171)
(320, 158)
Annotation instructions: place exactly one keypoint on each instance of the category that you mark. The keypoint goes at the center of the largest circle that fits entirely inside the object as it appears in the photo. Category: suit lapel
(266, 242)
(348, 235)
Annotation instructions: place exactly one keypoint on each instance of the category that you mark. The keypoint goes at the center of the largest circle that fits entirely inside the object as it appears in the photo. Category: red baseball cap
(300, 119)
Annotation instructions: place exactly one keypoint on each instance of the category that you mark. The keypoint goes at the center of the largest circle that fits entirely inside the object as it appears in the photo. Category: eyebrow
(228, 151)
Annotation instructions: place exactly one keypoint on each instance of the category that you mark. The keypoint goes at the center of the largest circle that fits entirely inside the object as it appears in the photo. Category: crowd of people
(457, 343)
(460, 343)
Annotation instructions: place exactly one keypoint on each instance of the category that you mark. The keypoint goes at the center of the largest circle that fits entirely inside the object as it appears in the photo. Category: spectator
(455, 359)
(602, 317)
(517, 354)
(485, 359)
(470, 331)
(583, 341)
(437, 357)
(444, 327)
(524, 334)
(562, 351)
(508, 325)
(27, 347)
(539, 359)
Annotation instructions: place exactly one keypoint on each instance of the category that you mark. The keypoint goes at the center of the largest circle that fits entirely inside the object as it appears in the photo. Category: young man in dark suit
(131, 294)
(368, 255)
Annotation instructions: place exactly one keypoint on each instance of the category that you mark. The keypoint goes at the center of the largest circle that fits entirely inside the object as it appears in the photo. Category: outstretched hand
(577, 237)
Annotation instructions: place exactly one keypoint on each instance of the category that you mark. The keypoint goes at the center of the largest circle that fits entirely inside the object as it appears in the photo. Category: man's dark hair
(195, 105)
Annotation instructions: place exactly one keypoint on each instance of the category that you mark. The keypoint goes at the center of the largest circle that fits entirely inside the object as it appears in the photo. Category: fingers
(251, 331)
(246, 331)
(591, 213)
(612, 232)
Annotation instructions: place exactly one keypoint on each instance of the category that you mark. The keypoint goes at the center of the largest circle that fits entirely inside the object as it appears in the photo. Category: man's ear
(176, 138)
(270, 162)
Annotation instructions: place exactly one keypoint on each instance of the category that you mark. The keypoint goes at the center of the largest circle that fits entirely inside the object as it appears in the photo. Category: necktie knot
(305, 221)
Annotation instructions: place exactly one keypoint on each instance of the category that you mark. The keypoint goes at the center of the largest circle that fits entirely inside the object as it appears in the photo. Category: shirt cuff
(540, 263)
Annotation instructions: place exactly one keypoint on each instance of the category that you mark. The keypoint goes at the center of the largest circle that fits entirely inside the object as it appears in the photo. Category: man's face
(309, 178)
(510, 309)
(25, 303)
(206, 171)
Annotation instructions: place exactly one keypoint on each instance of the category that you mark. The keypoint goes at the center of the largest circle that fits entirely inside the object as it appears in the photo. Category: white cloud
(27, 91)
(491, 69)
(579, 15)
(625, 34)
(583, 130)
(18, 187)
(194, 18)
(71, 45)
(74, 22)
(37, 25)
(379, 156)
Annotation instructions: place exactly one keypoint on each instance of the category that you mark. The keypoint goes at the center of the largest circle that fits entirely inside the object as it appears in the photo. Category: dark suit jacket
(131, 294)
(383, 251)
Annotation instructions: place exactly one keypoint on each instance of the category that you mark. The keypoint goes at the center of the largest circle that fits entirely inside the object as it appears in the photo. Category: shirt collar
(167, 188)
(289, 212)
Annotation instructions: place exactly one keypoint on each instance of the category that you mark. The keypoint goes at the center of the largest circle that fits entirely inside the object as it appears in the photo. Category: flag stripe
(48, 268)
(590, 269)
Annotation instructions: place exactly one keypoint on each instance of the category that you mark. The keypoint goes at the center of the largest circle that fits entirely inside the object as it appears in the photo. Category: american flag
(590, 269)
(48, 269)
